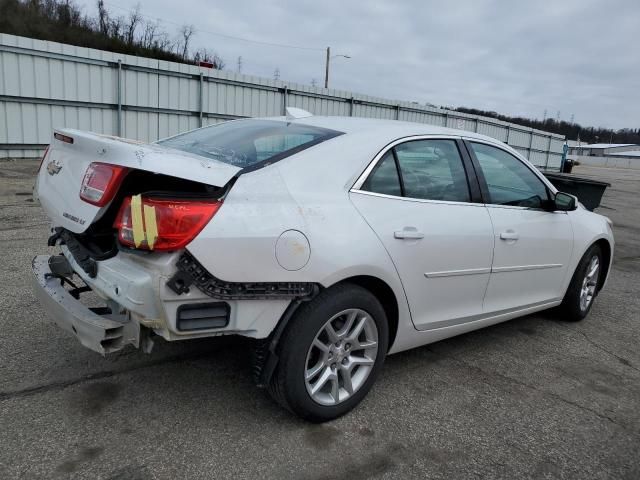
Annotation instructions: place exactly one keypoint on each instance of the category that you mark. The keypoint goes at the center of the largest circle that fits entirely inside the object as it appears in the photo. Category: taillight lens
(101, 182)
(162, 224)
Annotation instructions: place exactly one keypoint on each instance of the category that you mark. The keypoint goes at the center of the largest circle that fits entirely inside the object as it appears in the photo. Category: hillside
(63, 21)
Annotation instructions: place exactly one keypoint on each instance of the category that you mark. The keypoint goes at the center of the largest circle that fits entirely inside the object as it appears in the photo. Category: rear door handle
(509, 235)
(408, 233)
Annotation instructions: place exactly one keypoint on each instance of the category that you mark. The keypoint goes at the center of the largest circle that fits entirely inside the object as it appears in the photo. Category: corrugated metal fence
(44, 85)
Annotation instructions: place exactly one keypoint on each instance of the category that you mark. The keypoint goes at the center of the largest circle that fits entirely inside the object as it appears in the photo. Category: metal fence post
(201, 99)
(508, 134)
(119, 93)
(284, 100)
(546, 163)
(530, 144)
(446, 118)
(476, 126)
(398, 112)
(351, 101)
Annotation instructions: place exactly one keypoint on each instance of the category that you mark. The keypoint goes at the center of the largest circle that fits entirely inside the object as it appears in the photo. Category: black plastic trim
(472, 175)
(266, 351)
(80, 254)
(190, 272)
(398, 170)
(222, 320)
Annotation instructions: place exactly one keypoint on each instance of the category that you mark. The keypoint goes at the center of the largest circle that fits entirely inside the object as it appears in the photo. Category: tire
(573, 307)
(299, 354)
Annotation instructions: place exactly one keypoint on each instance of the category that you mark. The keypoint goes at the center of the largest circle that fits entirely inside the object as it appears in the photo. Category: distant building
(620, 155)
(602, 149)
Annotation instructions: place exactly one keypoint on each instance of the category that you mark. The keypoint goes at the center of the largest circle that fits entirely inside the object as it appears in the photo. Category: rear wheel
(331, 353)
(583, 288)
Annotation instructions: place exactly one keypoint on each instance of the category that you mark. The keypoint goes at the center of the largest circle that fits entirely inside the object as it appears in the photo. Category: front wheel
(331, 353)
(583, 288)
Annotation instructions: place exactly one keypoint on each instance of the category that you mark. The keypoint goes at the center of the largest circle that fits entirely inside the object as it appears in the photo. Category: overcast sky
(579, 57)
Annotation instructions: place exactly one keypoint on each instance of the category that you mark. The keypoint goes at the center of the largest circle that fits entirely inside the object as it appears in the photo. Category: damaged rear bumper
(103, 333)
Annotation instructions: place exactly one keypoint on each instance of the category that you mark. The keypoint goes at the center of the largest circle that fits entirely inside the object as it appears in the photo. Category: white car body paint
(460, 276)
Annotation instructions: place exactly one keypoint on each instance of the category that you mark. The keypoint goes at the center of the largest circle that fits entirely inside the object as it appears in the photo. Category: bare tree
(103, 18)
(186, 32)
(150, 34)
(163, 41)
(135, 18)
(117, 27)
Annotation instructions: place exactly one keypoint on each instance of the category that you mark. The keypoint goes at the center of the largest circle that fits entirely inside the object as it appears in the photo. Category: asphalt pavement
(535, 397)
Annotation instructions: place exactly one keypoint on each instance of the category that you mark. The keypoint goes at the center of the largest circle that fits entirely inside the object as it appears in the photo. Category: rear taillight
(101, 182)
(46, 150)
(162, 224)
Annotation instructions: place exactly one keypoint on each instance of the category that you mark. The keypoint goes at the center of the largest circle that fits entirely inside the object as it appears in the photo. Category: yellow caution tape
(136, 220)
(151, 227)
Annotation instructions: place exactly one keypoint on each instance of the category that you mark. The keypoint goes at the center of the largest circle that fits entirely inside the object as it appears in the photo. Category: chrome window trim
(517, 207)
(417, 200)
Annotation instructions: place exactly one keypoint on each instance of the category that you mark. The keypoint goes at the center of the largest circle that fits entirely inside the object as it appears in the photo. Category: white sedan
(331, 241)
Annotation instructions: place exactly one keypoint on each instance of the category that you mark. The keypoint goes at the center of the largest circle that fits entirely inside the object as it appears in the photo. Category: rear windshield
(250, 143)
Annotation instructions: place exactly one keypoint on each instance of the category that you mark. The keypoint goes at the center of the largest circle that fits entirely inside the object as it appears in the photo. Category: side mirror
(564, 202)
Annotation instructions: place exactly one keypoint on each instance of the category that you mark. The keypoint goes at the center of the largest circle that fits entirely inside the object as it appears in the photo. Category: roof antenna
(294, 113)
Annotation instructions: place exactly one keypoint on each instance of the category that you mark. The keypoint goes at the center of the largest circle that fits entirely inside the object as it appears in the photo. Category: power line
(223, 35)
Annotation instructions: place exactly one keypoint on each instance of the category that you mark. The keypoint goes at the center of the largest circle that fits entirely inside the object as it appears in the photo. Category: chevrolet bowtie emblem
(53, 167)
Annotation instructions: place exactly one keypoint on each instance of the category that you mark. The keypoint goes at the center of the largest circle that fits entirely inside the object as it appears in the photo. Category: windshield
(249, 143)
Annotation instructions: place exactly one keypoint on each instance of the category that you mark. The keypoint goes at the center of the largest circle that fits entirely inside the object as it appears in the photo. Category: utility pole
(326, 65)
(240, 64)
(276, 74)
(326, 68)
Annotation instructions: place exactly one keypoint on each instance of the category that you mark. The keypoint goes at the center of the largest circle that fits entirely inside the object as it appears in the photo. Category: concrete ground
(531, 398)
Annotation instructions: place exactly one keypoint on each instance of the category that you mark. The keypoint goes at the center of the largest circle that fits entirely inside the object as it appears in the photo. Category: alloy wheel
(341, 357)
(589, 283)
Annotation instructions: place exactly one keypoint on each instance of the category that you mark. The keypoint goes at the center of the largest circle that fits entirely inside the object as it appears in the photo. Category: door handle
(509, 235)
(408, 233)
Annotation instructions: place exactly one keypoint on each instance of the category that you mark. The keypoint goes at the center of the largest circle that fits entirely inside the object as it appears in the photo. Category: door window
(509, 181)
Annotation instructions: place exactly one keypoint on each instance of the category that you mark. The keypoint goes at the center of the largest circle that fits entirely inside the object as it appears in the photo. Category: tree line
(571, 131)
(63, 21)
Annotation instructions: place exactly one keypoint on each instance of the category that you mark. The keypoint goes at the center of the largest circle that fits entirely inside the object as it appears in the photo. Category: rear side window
(384, 177)
(433, 170)
(250, 143)
(423, 169)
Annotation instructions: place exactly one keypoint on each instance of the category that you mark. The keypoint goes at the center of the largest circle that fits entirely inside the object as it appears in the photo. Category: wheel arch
(605, 248)
(384, 293)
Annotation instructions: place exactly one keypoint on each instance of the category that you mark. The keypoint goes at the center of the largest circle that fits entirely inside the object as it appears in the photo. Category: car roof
(390, 128)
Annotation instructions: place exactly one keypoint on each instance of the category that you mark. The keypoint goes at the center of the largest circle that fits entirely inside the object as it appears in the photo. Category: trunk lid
(62, 172)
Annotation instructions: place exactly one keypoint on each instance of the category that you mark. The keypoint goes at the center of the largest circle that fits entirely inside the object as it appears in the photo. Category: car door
(532, 245)
(418, 198)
